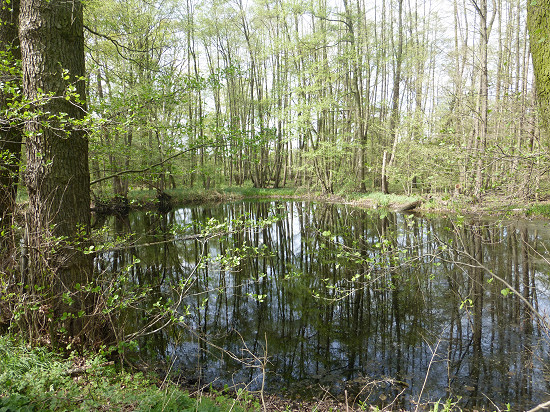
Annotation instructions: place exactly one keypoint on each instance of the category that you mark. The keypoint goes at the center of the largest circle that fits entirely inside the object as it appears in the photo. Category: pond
(308, 299)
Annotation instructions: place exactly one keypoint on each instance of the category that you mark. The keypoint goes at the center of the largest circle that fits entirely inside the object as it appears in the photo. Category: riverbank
(38, 379)
(438, 203)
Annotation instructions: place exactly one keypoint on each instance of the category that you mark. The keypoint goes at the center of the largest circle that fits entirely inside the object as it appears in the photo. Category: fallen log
(408, 206)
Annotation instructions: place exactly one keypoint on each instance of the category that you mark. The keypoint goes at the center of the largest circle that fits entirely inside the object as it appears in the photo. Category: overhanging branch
(125, 172)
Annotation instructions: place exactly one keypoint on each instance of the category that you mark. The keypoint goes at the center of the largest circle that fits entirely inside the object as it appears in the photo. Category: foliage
(540, 209)
(35, 379)
(294, 96)
(301, 96)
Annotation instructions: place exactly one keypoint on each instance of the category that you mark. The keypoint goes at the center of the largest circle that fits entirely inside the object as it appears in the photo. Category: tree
(394, 119)
(538, 24)
(57, 176)
(138, 88)
(483, 95)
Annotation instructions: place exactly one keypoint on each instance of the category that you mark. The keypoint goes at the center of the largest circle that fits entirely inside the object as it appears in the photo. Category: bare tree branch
(125, 172)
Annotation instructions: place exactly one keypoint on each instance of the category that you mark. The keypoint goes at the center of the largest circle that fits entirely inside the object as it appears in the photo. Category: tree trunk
(384, 180)
(538, 24)
(483, 116)
(58, 182)
(394, 119)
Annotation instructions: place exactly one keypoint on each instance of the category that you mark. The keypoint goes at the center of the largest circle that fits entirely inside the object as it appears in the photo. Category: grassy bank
(187, 196)
(489, 204)
(36, 379)
(139, 198)
(431, 203)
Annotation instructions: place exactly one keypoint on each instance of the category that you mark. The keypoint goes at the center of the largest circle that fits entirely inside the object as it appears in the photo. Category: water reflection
(388, 307)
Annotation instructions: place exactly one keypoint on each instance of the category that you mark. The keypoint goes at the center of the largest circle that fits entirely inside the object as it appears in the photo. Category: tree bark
(57, 177)
(538, 24)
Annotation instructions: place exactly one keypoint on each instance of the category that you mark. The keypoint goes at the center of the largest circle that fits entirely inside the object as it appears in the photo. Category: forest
(339, 97)
(100, 99)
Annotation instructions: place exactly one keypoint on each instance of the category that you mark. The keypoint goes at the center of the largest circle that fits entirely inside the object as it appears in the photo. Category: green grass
(382, 200)
(539, 209)
(249, 191)
(197, 195)
(36, 379)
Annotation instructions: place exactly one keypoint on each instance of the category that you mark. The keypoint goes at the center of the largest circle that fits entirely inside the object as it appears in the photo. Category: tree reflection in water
(348, 299)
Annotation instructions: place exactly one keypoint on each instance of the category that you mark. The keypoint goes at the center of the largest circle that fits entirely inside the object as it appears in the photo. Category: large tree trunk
(58, 182)
(538, 24)
(10, 131)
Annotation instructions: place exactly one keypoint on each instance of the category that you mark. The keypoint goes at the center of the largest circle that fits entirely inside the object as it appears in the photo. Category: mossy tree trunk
(538, 24)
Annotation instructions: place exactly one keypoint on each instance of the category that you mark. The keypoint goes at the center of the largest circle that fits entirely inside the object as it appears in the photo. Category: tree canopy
(314, 94)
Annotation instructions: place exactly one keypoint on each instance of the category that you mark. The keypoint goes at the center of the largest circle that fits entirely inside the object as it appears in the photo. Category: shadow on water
(388, 307)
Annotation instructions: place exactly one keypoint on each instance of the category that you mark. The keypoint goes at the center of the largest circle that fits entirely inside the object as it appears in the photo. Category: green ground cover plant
(37, 379)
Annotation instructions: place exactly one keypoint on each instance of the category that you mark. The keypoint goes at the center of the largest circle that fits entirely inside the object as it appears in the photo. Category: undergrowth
(249, 191)
(178, 196)
(539, 209)
(35, 379)
(382, 200)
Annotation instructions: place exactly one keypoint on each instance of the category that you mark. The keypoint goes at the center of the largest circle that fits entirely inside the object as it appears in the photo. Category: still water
(309, 299)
